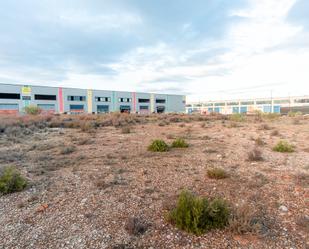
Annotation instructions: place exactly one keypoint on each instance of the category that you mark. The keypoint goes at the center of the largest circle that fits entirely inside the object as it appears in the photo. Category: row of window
(74, 98)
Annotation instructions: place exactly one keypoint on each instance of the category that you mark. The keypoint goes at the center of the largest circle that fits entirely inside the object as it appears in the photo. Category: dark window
(26, 97)
(102, 99)
(247, 103)
(160, 109)
(232, 103)
(76, 98)
(102, 108)
(9, 96)
(143, 107)
(124, 100)
(44, 97)
(125, 109)
(143, 100)
(161, 101)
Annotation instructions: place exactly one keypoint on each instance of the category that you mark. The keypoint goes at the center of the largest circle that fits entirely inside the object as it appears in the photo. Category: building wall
(275, 105)
(89, 104)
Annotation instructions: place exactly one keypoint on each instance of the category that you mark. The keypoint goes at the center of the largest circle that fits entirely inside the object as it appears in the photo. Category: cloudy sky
(207, 49)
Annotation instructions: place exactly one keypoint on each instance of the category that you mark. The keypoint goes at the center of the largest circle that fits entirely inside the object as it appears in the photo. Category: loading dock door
(160, 109)
(9, 108)
(49, 108)
(75, 109)
(102, 109)
(125, 109)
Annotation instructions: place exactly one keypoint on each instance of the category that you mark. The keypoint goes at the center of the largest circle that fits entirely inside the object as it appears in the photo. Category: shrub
(255, 155)
(11, 181)
(67, 150)
(125, 130)
(136, 226)
(180, 143)
(158, 146)
(237, 117)
(275, 133)
(259, 141)
(283, 146)
(198, 215)
(217, 173)
(33, 110)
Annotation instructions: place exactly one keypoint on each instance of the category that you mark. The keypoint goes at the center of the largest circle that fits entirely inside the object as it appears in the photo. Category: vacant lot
(92, 182)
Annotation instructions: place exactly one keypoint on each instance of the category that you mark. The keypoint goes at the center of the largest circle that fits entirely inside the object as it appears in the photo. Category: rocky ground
(86, 186)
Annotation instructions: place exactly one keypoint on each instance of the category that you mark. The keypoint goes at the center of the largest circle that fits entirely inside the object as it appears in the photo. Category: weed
(255, 155)
(283, 146)
(275, 133)
(11, 181)
(217, 173)
(68, 150)
(158, 146)
(198, 215)
(180, 143)
(136, 226)
(237, 117)
(265, 127)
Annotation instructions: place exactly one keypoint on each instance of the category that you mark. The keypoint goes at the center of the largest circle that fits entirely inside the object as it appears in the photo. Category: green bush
(283, 146)
(237, 117)
(180, 143)
(11, 181)
(33, 110)
(217, 173)
(158, 146)
(198, 215)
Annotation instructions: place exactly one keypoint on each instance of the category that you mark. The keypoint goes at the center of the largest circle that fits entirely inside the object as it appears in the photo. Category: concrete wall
(173, 103)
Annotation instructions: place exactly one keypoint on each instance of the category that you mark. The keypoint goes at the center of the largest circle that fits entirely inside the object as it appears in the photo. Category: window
(124, 100)
(232, 103)
(47, 107)
(160, 101)
(143, 107)
(26, 97)
(160, 109)
(76, 98)
(219, 104)
(208, 104)
(281, 101)
(143, 100)
(263, 102)
(247, 103)
(9, 96)
(44, 97)
(301, 100)
(102, 99)
(125, 109)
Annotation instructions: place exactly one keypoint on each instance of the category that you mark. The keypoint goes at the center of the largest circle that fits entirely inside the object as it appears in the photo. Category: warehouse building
(266, 105)
(14, 99)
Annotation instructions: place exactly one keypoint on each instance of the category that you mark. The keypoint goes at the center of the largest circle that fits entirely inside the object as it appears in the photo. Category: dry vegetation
(102, 181)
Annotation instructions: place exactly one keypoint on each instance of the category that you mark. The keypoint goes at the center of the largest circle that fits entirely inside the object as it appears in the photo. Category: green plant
(33, 110)
(180, 143)
(158, 146)
(283, 146)
(11, 181)
(237, 117)
(217, 173)
(198, 215)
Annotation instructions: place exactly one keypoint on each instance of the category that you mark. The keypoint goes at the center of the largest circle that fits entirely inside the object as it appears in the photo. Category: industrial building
(267, 105)
(14, 99)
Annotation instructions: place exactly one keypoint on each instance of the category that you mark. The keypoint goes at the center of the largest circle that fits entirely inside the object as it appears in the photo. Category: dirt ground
(84, 186)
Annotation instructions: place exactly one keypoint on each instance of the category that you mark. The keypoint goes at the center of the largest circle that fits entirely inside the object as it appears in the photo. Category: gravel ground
(83, 198)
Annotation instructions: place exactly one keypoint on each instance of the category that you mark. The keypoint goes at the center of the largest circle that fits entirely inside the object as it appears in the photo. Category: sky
(205, 49)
